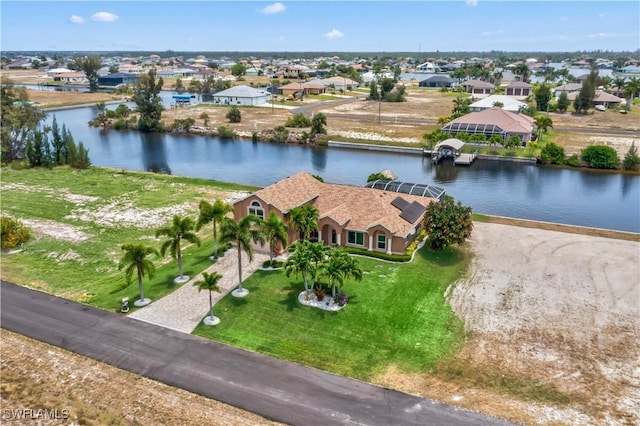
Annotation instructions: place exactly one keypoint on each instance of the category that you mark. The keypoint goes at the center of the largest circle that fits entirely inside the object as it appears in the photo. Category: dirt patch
(36, 375)
(574, 143)
(558, 309)
(56, 230)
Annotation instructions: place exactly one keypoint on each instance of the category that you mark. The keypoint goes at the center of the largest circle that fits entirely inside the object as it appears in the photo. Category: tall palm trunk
(180, 260)
(211, 304)
(215, 239)
(140, 288)
(239, 265)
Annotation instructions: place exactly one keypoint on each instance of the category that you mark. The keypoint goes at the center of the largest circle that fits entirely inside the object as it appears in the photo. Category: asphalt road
(276, 389)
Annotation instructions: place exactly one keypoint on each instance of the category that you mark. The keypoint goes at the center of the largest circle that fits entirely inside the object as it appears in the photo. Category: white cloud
(76, 19)
(601, 15)
(471, 3)
(272, 9)
(333, 34)
(600, 35)
(104, 17)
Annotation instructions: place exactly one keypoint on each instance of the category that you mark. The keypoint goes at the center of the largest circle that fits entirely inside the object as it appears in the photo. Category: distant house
(478, 87)
(493, 121)
(295, 89)
(439, 80)
(518, 88)
(602, 98)
(567, 88)
(56, 71)
(340, 83)
(240, 95)
(427, 67)
(117, 79)
(372, 219)
(252, 72)
(205, 74)
(508, 103)
(71, 77)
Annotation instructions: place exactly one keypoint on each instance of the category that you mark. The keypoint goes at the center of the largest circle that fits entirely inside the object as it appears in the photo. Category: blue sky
(342, 26)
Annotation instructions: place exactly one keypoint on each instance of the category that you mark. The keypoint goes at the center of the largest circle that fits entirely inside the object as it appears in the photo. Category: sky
(322, 26)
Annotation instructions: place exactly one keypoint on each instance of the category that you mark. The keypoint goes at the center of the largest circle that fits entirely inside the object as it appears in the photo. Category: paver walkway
(183, 309)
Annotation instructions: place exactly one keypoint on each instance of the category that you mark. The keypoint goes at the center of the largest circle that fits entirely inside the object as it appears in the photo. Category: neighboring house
(629, 69)
(56, 71)
(117, 79)
(602, 98)
(518, 88)
(294, 89)
(129, 69)
(241, 95)
(175, 73)
(252, 72)
(340, 83)
(493, 121)
(352, 216)
(71, 77)
(205, 74)
(567, 88)
(478, 87)
(439, 80)
(427, 67)
(508, 103)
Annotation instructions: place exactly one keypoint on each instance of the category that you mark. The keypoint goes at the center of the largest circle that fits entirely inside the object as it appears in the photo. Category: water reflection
(446, 172)
(154, 153)
(319, 158)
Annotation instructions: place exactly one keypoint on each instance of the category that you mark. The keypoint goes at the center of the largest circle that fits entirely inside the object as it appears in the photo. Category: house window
(356, 238)
(256, 209)
(381, 242)
(334, 237)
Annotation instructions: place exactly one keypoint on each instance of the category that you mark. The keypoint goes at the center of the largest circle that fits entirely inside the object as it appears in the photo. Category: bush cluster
(13, 233)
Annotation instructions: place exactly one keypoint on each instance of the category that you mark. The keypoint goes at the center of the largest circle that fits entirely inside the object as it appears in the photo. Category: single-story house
(508, 103)
(518, 88)
(117, 79)
(252, 72)
(352, 216)
(478, 87)
(294, 89)
(56, 71)
(439, 80)
(71, 77)
(205, 74)
(567, 88)
(175, 72)
(340, 83)
(241, 95)
(601, 98)
(493, 121)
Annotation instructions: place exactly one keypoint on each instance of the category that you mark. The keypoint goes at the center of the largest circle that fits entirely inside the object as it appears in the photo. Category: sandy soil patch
(563, 308)
(56, 230)
(63, 193)
(575, 142)
(123, 213)
(36, 375)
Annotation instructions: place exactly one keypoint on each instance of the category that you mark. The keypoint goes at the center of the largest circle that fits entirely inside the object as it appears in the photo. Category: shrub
(279, 135)
(234, 115)
(552, 154)
(226, 133)
(272, 264)
(376, 176)
(182, 124)
(413, 245)
(13, 233)
(631, 158)
(601, 157)
(120, 124)
(298, 120)
(378, 255)
(573, 161)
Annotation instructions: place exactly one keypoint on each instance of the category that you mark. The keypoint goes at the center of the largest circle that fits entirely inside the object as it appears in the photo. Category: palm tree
(632, 89)
(317, 254)
(135, 259)
(304, 219)
(339, 267)
(180, 229)
(243, 233)
(274, 231)
(618, 83)
(299, 262)
(522, 69)
(209, 282)
(213, 213)
(543, 122)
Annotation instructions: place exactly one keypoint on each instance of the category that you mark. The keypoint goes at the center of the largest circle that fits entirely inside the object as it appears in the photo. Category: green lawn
(99, 210)
(396, 315)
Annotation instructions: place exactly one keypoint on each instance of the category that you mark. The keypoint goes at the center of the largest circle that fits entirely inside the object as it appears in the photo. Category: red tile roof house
(352, 216)
(493, 121)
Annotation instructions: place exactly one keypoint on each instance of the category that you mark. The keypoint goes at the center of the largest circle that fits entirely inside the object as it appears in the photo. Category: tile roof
(506, 120)
(357, 208)
(478, 84)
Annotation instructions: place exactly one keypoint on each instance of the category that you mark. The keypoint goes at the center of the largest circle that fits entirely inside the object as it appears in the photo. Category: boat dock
(464, 159)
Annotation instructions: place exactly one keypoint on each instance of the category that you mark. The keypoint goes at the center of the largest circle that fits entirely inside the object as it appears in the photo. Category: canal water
(576, 197)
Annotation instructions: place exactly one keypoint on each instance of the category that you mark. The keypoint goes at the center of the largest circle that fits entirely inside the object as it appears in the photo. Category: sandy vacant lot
(560, 308)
